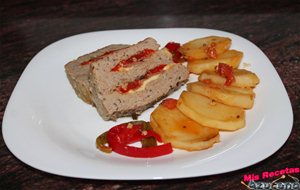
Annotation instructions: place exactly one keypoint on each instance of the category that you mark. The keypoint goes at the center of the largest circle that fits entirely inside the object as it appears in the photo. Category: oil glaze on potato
(210, 113)
(232, 96)
(243, 78)
(197, 49)
(181, 131)
(230, 57)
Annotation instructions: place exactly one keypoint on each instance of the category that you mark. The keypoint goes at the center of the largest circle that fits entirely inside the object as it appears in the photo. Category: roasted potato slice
(210, 113)
(182, 132)
(197, 49)
(232, 96)
(243, 78)
(230, 57)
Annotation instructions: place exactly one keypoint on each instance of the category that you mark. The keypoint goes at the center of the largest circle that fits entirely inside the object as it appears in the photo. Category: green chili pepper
(101, 143)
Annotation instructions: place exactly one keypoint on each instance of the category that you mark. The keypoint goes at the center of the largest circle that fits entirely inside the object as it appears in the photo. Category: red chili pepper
(226, 71)
(173, 47)
(120, 136)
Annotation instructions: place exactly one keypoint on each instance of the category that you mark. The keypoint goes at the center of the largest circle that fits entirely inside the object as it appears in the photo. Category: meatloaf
(132, 79)
(78, 70)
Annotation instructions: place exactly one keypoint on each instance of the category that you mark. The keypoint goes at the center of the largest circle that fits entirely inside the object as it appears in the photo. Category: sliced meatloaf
(78, 70)
(114, 105)
(106, 80)
(153, 77)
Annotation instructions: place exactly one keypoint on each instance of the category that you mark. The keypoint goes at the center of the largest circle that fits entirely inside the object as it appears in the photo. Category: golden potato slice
(230, 57)
(243, 78)
(210, 113)
(181, 131)
(197, 49)
(232, 96)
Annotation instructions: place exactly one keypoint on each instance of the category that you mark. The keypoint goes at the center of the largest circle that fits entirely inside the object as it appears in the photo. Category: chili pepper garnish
(101, 143)
(226, 71)
(119, 137)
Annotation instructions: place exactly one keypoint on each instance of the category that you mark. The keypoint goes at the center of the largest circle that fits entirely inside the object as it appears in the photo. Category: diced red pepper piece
(226, 71)
(211, 51)
(169, 103)
(173, 47)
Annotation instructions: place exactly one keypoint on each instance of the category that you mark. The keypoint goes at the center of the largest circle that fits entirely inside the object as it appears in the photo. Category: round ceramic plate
(49, 128)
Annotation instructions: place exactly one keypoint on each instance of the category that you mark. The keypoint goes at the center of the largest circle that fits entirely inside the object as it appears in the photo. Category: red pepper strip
(124, 134)
(96, 58)
(130, 86)
(151, 133)
(137, 83)
(148, 152)
(120, 136)
(134, 58)
(155, 70)
(226, 71)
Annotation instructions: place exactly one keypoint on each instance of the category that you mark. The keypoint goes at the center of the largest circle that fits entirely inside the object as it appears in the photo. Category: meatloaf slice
(106, 82)
(78, 71)
(114, 105)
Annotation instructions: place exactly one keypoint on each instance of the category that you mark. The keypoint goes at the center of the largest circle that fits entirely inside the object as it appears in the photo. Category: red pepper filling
(134, 58)
(226, 71)
(130, 86)
(120, 136)
(211, 51)
(155, 70)
(173, 47)
(96, 58)
(137, 83)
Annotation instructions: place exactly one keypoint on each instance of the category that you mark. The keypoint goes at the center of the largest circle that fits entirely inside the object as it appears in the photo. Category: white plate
(49, 128)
